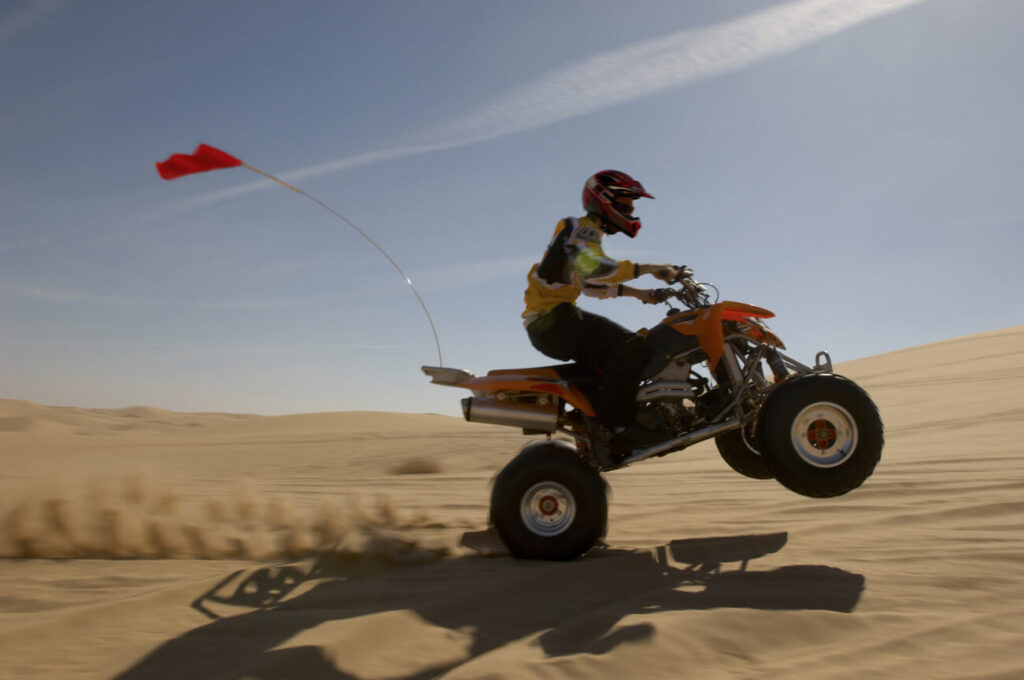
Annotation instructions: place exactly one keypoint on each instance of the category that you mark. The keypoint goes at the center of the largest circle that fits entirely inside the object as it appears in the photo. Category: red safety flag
(204, 158)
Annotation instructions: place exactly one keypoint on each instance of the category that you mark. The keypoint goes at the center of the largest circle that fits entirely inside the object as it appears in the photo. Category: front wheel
(820, 435)
(548, 504)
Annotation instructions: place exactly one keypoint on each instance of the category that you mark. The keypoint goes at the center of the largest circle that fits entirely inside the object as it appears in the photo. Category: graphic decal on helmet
(603, 196)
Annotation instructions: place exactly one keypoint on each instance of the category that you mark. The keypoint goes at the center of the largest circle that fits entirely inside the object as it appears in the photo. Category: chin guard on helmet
(601, 196)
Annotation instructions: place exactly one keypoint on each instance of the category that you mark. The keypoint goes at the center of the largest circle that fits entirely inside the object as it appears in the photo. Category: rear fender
(500, 382)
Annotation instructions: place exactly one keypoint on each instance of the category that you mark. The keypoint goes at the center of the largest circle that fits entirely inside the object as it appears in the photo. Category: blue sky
(853, 166)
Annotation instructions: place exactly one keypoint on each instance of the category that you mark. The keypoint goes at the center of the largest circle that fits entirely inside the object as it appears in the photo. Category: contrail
(652, 66)
(623, 75)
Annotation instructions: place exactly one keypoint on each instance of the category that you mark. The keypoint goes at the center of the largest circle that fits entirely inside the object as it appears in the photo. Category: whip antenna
(210, 158)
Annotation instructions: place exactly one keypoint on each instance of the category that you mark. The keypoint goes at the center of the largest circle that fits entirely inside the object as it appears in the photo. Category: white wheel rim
(547, 509)
(824, 434)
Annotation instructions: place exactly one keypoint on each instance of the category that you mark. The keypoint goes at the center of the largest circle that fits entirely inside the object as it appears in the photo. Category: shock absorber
(778, 366)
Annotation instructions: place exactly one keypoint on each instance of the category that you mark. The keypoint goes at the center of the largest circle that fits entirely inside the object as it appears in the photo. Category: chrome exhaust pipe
(536, 417)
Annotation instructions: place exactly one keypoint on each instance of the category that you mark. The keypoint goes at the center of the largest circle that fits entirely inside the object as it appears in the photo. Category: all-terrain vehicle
(717, 372)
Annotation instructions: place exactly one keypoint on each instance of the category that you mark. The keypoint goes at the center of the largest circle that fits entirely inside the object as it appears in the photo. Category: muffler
(529, 416)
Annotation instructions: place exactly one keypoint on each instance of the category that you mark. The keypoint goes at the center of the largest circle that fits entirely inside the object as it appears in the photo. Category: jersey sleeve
(597, 269)
(600, 292)
(554, 267)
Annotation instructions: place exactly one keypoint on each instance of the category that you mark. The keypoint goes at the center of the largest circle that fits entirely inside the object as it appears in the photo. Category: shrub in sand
(417, 466)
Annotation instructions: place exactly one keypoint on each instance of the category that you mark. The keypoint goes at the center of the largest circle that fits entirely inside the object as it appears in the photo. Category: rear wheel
(738, 450)
(548, 504)
(820, 435)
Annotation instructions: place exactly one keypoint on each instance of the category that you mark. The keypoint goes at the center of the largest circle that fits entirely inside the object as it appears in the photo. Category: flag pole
(362, 233)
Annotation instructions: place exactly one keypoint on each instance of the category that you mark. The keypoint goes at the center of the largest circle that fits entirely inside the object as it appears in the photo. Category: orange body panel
(706, 324)
(543, 380)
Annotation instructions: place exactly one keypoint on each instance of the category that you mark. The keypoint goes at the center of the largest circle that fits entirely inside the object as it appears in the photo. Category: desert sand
(140, 543)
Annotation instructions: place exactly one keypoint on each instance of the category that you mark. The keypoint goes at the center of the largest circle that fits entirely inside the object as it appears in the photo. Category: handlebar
(692, 293)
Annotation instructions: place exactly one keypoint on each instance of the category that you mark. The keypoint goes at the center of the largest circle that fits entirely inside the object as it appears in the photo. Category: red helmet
(600, 197)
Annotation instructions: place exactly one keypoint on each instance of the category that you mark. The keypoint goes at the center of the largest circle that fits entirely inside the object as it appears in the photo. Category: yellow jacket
(574, 263)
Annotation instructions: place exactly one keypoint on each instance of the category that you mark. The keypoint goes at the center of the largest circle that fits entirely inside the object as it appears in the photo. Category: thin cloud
(319, 170)
(459, 278)
(22, 19)
(42, 294)
(612, 78)
(30, 243)
(198, 348)
(471, 274)
(652, 66)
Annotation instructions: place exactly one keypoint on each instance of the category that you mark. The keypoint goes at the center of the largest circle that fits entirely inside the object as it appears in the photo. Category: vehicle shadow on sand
(574, 606)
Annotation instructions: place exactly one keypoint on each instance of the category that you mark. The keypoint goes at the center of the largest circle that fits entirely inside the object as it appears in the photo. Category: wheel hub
(821, 434)
(548, 508)
(824, 434)
(548, 505)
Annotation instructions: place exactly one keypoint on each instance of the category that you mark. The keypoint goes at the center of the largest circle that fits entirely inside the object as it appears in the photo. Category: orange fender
(706, 324)
(544, 381)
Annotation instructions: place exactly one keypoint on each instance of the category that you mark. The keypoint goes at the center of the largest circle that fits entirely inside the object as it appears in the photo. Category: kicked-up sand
(141, 543)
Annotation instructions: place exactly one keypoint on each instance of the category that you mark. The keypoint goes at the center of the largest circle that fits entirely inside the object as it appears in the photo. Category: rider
(575, 262)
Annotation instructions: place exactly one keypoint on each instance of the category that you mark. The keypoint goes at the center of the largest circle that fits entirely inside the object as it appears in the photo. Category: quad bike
(717, 372)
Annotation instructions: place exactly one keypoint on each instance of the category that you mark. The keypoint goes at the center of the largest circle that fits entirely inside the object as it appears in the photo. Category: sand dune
(24, 416)
(354, 545)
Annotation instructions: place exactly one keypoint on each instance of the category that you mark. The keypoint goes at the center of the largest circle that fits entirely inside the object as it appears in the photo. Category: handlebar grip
(684, 272)
(663, 294)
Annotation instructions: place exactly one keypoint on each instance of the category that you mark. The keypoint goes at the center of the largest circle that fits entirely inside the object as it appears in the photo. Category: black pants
(568, 333)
